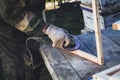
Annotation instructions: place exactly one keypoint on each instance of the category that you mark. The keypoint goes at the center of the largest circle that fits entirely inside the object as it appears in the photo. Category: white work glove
(58, 36)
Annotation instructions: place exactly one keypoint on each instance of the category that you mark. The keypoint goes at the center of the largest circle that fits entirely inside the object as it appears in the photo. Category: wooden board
(116, 25)
(109, 74)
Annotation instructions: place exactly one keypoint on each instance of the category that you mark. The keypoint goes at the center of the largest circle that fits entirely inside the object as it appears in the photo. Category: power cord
(26, 44)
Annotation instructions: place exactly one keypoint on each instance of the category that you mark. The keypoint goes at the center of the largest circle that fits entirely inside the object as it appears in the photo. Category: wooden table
(63, 65)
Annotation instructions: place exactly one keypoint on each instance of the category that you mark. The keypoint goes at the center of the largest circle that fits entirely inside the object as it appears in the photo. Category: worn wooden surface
(63, 65)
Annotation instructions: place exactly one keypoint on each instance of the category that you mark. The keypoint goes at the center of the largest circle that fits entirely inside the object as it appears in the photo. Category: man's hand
(58, 36)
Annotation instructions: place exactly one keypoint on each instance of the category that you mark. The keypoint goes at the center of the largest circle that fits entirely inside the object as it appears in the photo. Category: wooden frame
(99, 59)
(87, 56)
(109, 74)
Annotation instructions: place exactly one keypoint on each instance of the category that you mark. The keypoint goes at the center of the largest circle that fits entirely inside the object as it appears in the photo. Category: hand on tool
(58, 36)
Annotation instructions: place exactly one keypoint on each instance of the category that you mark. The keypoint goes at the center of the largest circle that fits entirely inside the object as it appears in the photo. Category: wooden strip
(57, 65)
(105, 75)
(86, 55)
(95, 7)
(116, 25)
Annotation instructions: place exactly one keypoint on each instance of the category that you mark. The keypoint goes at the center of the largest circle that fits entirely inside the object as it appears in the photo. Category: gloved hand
(58, 36)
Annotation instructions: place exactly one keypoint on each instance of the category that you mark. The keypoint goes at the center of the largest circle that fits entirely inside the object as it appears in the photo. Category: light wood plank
(108, 74)
(86, 56)
(95, 7)
(116, 25)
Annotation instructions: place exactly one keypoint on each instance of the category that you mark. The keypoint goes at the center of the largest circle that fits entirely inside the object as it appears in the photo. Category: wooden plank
(108, 74)
(115, 76)
(86, 56)
(116, 25)
(57, 65)
(95, 7)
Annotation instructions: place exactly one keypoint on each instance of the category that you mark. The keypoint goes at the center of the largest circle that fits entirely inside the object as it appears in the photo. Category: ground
(68, 16)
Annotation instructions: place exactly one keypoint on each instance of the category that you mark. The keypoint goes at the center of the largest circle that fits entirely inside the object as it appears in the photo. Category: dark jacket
(15, 60)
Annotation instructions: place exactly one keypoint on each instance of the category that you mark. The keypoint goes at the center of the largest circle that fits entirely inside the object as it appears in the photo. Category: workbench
(64, 65)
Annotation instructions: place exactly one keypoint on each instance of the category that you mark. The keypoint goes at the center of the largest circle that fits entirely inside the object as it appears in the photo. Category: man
(17, 18)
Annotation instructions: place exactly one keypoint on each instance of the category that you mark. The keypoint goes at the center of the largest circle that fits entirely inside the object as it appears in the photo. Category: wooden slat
(116, 25)
(57, 65)
(85, 55)
(108, 74)
(95, 7)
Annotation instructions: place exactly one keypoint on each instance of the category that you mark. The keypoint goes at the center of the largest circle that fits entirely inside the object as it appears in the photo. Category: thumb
(67, 41)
